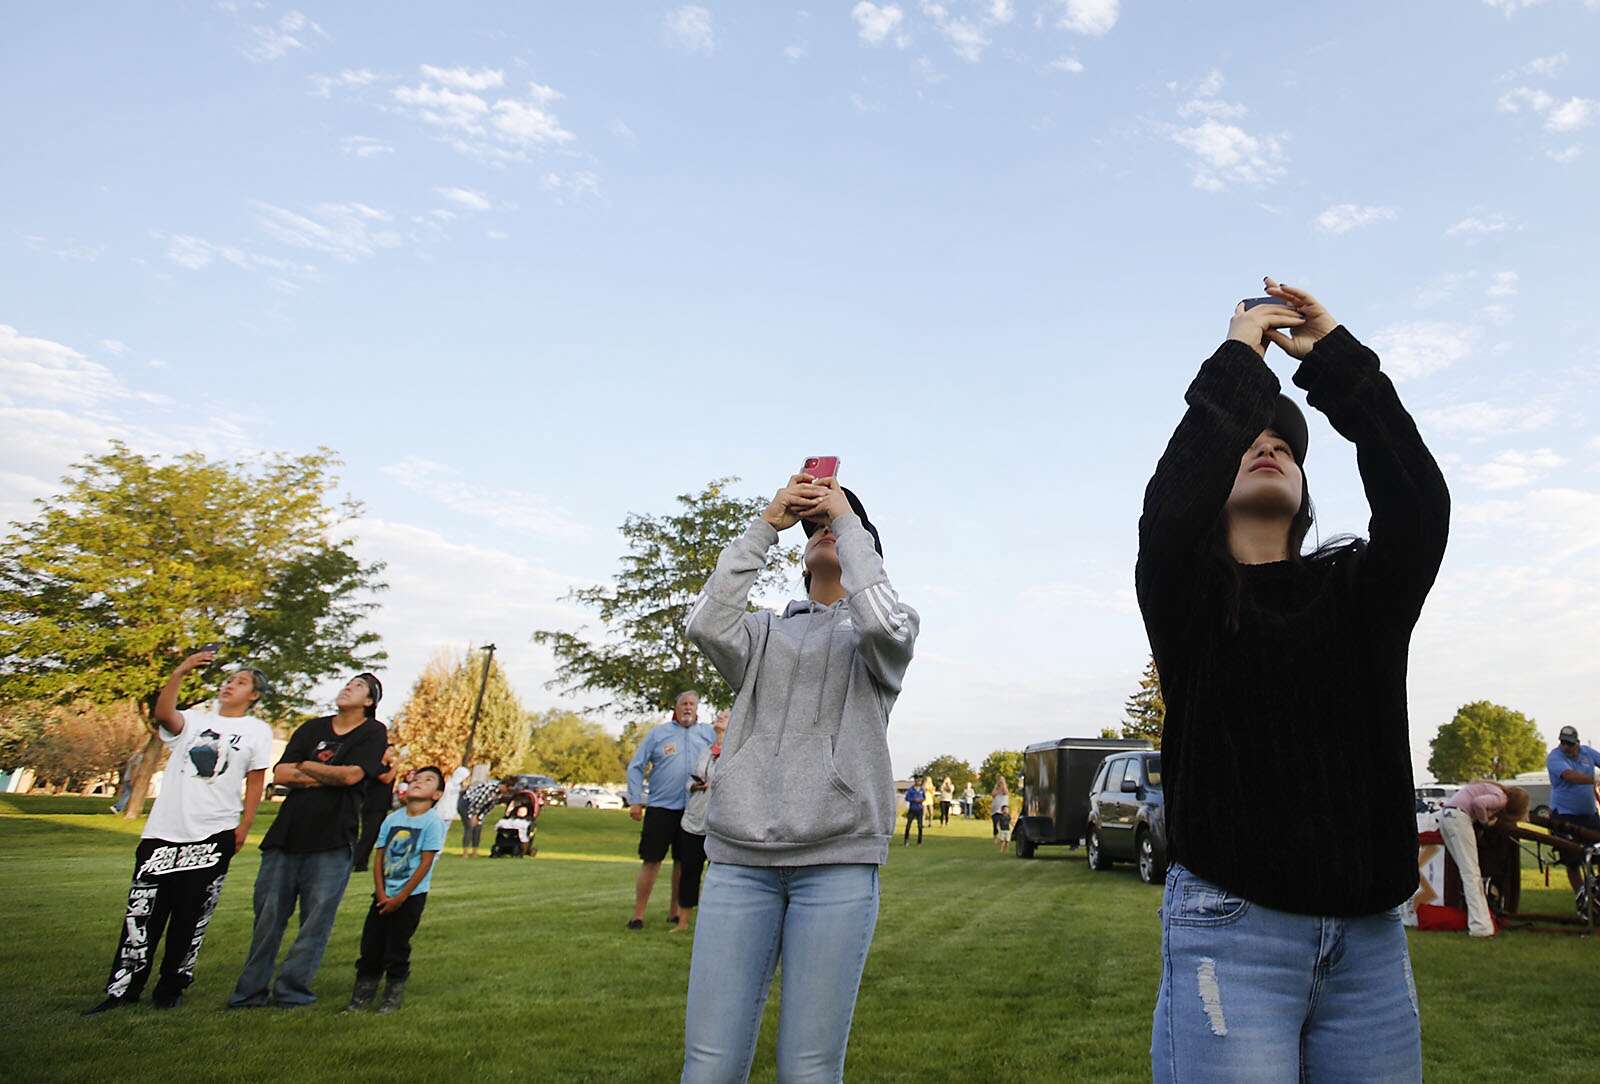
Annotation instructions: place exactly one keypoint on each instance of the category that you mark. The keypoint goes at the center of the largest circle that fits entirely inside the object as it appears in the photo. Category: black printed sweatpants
(175, 890)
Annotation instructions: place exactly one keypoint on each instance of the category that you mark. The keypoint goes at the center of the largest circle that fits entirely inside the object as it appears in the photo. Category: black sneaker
(365, 990)
(166, 1001)
(392, 996)
(635, 923)
(107, 1005)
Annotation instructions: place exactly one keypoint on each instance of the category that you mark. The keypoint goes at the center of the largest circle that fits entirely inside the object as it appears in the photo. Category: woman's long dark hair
(1304, 518)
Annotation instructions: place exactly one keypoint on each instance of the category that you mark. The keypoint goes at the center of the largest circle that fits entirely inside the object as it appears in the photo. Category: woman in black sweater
(1285, 757)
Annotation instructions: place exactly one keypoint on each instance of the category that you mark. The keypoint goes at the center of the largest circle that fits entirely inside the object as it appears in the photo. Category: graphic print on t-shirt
(326, 750)
(209, 755)
(401, 856)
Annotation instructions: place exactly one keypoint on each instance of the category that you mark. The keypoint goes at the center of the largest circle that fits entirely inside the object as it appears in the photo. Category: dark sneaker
(107, 1005)
(166, 1001)
(360, 997)
(392, 996)
(635, 923)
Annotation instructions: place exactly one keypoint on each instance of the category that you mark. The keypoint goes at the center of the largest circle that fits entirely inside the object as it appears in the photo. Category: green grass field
(984, 967)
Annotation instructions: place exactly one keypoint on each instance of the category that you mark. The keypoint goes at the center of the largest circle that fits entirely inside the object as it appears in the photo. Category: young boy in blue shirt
(409, 840)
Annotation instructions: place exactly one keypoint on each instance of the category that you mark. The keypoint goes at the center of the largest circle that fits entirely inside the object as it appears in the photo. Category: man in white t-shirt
(198, 822)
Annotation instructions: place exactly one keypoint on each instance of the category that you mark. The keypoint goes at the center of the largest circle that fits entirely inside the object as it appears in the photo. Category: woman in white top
(1487, 803)
(198, 822)
(1000, 801)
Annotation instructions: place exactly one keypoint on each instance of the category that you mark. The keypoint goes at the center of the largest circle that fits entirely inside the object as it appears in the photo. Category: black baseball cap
(860, 510)
(1290, 423)
(1569, 734)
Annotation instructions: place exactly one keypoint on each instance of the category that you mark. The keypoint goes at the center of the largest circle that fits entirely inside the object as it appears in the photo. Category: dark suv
(1127, 820)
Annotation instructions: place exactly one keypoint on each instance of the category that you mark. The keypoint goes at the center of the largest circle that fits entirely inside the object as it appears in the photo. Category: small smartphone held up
(211, 647)
(1251, 302)
(821, 466)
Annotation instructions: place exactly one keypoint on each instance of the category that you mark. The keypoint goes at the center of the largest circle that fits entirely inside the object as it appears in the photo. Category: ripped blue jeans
(1249, 994)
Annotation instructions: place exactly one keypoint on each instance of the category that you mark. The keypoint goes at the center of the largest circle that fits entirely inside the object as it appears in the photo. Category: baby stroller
(513, 835)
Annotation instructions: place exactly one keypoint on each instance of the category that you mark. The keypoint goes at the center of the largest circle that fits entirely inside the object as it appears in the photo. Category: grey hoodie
(804, 778)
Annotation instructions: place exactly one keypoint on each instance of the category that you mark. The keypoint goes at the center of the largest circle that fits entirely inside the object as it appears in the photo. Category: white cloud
(619, 128)
(346, 231)
(514, 510)
(865, 105)
(42, 371)
(1571, 115)
(115, 347)
(323, 86)
(1547, 66)
(1212, 107)
(1344, 217)
(1069, 64)
(469, 198)
(1422, 348)
(877, 24)
(1224, 154)
(358, 146)
(1091, 17)
(505, 128)
(1478, 420)
(796, 52)
(496, 235)
(1504, 284)
(468, 79)
(1476, 226)
(1520, 98)
(1513, 470)
(577, 184)
(1510, 7)
(196, 253)
(273, 41)
(1560, 117)
(689, 27)
(967, 39)
(1566, 155)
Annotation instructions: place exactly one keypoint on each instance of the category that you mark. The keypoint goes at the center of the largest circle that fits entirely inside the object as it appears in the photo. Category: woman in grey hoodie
(802, 806)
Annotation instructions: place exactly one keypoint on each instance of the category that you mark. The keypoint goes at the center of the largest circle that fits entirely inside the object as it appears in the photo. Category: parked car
(589, 796)
(1431, 797)
(547, 788)
(1055, 798)
(1127, 817)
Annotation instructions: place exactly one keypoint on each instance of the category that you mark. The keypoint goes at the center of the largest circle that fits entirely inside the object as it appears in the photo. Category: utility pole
(477, 709)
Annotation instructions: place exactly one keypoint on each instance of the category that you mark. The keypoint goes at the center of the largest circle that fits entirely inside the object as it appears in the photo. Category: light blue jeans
(1249, 994)
(818, 920)
(316, 881)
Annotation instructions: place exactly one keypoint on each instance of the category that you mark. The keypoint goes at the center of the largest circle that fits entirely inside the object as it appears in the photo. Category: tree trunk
(141, 776)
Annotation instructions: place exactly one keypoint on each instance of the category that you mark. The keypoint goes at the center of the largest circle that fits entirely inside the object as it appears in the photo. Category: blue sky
(530, 267)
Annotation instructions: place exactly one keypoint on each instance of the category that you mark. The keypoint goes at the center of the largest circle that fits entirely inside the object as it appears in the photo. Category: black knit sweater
(1285, 756)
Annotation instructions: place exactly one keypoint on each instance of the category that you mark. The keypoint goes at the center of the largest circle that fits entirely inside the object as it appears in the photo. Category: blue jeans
(819, 921)
(1249, 994)
(317, 882)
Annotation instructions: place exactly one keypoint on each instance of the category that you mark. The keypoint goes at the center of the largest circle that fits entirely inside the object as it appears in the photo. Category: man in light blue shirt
(1572, 767)
(669, 753)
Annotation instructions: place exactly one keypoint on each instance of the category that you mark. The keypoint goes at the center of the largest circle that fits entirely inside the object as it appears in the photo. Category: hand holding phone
(821, 466)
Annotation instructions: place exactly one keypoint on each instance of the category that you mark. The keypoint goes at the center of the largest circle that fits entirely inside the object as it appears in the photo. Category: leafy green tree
(432, 726)
(1485, 740)
(633, 732)
(644, 658)
(1006, 762)
(1146, 709)
(959, 771)
(573, 749)
(138, 561)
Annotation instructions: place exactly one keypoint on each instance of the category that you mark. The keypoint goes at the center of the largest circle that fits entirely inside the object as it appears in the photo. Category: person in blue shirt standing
(670, 752)
(1572, 777)
(409, 840)
(915, 796)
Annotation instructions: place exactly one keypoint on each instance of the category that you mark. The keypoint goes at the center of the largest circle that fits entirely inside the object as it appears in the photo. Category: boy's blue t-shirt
(915, 798)
(403, 839)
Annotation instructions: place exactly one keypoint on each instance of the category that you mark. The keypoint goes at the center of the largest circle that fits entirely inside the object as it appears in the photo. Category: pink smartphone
(821, 466)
